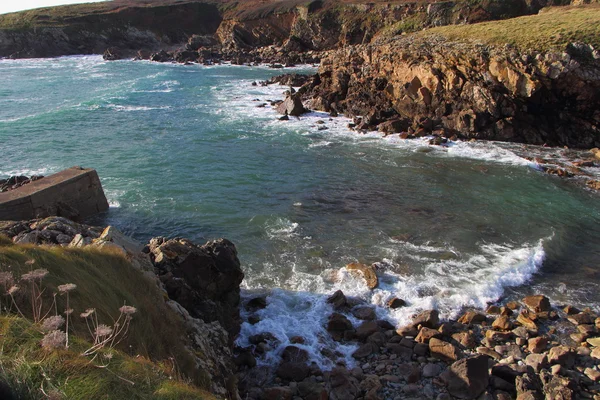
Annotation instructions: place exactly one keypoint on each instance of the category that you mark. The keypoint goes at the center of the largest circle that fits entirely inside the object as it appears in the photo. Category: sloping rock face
(292, 26)
(205, 280)
(466, 89)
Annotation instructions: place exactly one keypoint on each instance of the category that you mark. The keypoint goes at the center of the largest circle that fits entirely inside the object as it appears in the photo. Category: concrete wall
(75, 193)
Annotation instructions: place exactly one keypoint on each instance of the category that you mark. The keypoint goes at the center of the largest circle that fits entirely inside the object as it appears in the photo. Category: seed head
(52, 323)
(35, 275)
(6, 278)
(30, 262)
(103, 330)
(54, 340)
(87, 312)
(13, 289)
(128, 310)
(67, 287)
(68, 311)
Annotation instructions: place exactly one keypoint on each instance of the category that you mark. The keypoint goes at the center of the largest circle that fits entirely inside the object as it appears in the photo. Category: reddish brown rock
(502, 323)
(467, 378)
(427, 333)
(537, 344)
(396, 303)
(443, 350)
(562, 355)
(429, 319)
(526, 321)
(581, 318)
(537, 303)
(367, 272)
(472, 317)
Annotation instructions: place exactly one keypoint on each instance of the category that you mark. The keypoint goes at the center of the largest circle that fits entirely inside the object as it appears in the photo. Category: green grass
(105, 281)
(552, 29)
(34, 373)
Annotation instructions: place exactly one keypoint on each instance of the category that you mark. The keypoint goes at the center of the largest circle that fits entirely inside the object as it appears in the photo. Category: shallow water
(184, 151)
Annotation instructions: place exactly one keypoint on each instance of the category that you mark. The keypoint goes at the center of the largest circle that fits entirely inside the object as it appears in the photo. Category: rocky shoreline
(530, 349)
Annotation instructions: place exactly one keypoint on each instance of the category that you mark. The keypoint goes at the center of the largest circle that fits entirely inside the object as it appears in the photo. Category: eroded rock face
(469, 90)
(203, 279)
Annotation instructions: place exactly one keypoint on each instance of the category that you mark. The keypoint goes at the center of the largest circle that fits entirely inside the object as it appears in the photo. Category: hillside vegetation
(146, 364)
(552, 29)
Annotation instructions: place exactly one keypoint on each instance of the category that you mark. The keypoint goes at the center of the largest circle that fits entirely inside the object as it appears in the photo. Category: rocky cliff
(126, 26)
(424, 84)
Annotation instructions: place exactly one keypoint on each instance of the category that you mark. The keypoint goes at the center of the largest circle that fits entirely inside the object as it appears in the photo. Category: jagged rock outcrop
(459, 88)
(205, 280)
(232, 28)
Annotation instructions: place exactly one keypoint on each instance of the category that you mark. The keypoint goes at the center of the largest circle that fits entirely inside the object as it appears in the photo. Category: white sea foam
(281, 228)
(447, 285)
(26, 171)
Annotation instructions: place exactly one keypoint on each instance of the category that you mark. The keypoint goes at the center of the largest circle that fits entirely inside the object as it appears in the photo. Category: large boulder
(203, 279)
(292, 105)
(467, 378)
(366, 271)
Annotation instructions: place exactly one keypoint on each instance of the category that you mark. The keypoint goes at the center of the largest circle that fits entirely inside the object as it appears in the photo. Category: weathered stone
(293, 371)
(443, 350)
(338, 300)
(429, 319)
(594, 342)
(498, 337)
(364, 313)
(562, 355)
(294, 354)
(395, 302)
(342, 385)
(526, 322)
(402, 351)
(494, 310)
(431, 370)
(409, 331)
(311, 390)
(75, 193)
(537, 303)
(278, 393)
(367, 272)
(537, 361)
(472, 317)
(205, 280)
(465, 339)
(427, 333)
(366, 329)
(502, 323)
(489, 352)
(467, 378)
(581, 318)
(256, 303)
(593, 374)
(337, 325)
(537, 344)
(365, 350)
(292, 105)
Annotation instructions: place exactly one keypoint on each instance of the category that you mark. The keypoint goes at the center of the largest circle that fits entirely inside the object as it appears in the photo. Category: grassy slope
(105, 281)
(552, 29)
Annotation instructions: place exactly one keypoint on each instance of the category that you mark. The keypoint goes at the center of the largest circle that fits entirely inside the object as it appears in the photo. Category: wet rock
(394, 126)
(292, 105)
(294, 354)
(498, 337)
(378, 338)
(404, 352)
(366, 329)
(431, 370)
(494, 310)
(570, 310)
(337, 300)
(365, 350)
(246, 359)
(364, 313)
(257, 303)
(467, 378)
(367, 271)
(337, 325)
(312, 390)
(581, 318)
(537, 303)
(293, 371)
(429, 319)
(395, 302)
(409, 331)
(443, 350)
(278, 393)
(342, 385)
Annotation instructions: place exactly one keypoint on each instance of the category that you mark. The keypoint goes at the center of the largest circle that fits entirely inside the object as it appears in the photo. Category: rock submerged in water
(367, 272)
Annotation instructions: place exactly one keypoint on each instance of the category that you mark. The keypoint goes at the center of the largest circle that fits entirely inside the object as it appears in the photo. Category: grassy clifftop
(552, 29)
(146, 364)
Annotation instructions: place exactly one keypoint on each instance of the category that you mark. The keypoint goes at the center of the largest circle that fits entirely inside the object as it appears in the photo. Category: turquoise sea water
(185, 151)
